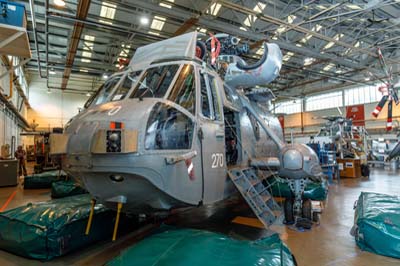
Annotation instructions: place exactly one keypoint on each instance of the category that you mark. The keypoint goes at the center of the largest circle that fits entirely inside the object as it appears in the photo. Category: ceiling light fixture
(144, 20)
(105, 76)
(88, 94)
(59, 2)
(52, 72)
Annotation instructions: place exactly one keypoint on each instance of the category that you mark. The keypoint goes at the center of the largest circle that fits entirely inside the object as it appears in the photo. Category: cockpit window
(168, 129)
(184, 90)
(155, 82)
(103, 92)
(124, 87)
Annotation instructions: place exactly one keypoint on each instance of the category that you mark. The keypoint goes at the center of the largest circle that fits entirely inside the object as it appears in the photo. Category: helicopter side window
(168, 129)
(184, 90)
(215, 100)
(103, 92)
(124, 87)
(204, 100)
(155, 82)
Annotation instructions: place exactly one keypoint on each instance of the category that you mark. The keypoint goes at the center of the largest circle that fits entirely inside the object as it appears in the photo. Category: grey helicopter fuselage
(164, 137)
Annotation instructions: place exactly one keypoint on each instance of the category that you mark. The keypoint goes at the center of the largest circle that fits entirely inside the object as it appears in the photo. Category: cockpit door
(211, 140)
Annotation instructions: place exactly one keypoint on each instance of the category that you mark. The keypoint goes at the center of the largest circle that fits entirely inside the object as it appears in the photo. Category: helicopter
(165, 132)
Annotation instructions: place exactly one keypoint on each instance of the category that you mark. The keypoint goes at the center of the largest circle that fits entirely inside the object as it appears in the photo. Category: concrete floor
(328, 244)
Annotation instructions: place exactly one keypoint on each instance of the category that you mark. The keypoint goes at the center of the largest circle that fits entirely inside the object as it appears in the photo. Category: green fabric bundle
(183, 247)
(45, 230)
(377, 224)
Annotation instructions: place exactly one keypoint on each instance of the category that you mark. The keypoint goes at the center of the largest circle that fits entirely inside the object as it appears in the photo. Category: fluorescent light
(154, 33)
(367, 78)
(243, 28)
(214, 9)
(144, 20)
(52, 72)
(167, 5)
(202, 30)
(88, 94)
(59, 2)
(353, 6)
(105, 76)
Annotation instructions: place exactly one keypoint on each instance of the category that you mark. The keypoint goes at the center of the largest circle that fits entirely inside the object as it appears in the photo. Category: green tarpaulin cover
(377, 224)
(43, 180)
(49, 229)
(312, 191)
(188, 247)
(61, 189)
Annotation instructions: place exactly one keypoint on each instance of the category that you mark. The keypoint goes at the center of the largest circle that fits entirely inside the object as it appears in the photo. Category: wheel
(315, 217)
(306, 209)
(288, 209)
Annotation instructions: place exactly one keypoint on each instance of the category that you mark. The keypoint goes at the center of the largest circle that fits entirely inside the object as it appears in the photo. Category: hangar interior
(127, 125)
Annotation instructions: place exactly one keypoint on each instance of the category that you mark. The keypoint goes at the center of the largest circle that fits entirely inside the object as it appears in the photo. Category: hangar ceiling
(326, 44)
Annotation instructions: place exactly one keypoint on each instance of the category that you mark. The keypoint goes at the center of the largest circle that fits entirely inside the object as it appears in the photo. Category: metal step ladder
(256, 194)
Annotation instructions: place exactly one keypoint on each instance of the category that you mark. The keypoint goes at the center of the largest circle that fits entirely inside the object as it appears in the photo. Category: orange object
(8, 201)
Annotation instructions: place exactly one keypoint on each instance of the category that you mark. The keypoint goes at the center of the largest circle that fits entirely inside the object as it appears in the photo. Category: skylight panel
(282, 28)
(250, 19)
(166, 4)
(308, 61)
(107, 11)
(87, 48)
(327, 67)
(214, 9)
(158, 23)
(316, 28)
(287, 56)
(330, 44)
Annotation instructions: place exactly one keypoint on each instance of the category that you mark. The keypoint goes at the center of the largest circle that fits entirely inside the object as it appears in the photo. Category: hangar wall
(9, 128)
(52, 109)
(312, 123)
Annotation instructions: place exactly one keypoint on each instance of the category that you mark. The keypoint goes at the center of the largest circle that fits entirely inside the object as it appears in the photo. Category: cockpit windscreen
(155, 82)
(104, 91)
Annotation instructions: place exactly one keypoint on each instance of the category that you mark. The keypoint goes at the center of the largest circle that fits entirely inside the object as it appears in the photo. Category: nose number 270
(217, 160)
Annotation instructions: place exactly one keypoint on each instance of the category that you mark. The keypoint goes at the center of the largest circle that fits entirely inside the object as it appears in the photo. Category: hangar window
(103, 92)
(184, 90)
(168, 129)
(155, 82)
(124, 87)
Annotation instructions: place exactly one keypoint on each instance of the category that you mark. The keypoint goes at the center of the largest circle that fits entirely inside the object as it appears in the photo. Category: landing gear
(306, 210)
(289, 212)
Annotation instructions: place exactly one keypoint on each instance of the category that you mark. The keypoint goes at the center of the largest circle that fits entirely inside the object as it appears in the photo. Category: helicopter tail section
(239, 74)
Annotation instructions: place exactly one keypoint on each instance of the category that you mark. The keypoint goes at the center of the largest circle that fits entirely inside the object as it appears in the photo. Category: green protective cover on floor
(45, 230)
(43, 180)
(188, 247)
(313, 191)
(377, 224)
(61, 189)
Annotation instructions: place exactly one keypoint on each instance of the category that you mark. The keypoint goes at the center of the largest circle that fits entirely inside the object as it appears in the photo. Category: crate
(349, 167)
